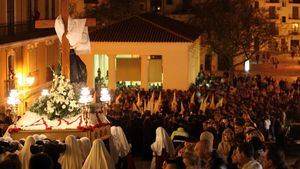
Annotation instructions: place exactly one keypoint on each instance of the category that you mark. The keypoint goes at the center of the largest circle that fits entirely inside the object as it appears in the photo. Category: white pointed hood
(99, 157)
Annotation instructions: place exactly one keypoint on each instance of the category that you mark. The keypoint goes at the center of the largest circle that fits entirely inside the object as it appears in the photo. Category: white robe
(113, 145)
(120, 139)
(77, 35)
(162, 141)
(71, 158)
(85, 146)
(25, 153)
(98, 158)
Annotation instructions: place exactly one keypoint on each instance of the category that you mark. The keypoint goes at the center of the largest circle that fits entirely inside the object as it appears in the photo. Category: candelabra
(84, 100)
(105, 98)
(13, 102)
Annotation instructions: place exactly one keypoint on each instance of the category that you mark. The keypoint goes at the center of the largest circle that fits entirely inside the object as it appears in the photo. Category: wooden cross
(64, 9)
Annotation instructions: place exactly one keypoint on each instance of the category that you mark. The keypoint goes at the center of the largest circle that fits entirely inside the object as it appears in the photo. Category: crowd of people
(238, 110)
(39, 152)
(228, 121)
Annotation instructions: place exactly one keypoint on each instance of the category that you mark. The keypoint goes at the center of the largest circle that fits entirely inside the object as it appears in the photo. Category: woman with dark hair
(11, 161)
(40, 160)
(274, 158)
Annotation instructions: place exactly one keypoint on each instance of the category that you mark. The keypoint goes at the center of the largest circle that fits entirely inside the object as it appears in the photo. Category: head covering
(36, 137)
(118, 99)
(120, 141)
(174, 103)
(85, 146)
(139, 102)
(71, 157)
(25, 153)
(162, 141)
(98, 158)
(206, 135)
(113, 145)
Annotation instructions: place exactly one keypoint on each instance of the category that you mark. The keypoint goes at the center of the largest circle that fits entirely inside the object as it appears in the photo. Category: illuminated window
(295, 27)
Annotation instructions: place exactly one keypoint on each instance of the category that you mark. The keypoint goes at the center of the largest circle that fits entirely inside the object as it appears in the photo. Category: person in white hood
(162, 148)
(71, 158)
(98, 158)
(120, 149)
(25, 153)
(85, 146)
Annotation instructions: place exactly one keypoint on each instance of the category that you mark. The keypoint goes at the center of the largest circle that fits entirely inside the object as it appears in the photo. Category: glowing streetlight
(29, 80)
(247, 66)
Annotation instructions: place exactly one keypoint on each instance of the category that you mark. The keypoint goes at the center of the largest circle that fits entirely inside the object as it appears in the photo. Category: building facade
(25, 52)
(286, 17)
(145, 50)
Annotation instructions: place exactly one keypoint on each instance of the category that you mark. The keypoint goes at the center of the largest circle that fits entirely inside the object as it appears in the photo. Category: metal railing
(272, 1)
(273, 16)
(16, 29)
(294, 32)
(294, 16)
(294, 1)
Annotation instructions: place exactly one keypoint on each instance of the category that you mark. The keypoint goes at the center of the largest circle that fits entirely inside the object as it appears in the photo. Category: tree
(113, 11)
(233, 28)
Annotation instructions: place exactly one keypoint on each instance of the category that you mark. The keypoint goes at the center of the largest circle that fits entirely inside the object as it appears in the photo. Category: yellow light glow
(25, 81)
(295, 26)
(29, 80)
(20, 79)
(247, 66)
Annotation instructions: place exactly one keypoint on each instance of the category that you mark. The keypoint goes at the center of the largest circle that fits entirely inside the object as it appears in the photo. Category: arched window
(10, 70)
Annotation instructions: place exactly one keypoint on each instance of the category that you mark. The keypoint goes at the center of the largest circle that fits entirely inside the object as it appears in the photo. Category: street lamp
(84, 100)
(247, 66)
(29, 80)
(13, 102)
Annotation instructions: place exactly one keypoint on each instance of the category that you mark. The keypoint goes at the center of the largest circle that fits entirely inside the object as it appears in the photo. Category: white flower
(73, 103)
(62, 96)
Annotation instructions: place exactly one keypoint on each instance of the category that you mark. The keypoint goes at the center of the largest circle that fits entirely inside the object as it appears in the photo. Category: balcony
(294, 1)
(91, 1)
(295, 17)
(22, 31)
(272, 1)
(294, 32)
(273, 16)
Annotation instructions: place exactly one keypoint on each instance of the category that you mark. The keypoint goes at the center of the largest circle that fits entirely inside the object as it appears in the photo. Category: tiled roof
(146, 28)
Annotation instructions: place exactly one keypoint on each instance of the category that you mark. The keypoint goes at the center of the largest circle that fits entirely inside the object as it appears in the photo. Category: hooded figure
(71, 157)
(25, 153)
(98, 158)
(162, 148)
(122, 148)
(113, 145)
(85, 146)
(120, 141)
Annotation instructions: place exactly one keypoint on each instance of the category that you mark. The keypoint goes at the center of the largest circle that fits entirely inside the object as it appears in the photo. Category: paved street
(288, 68)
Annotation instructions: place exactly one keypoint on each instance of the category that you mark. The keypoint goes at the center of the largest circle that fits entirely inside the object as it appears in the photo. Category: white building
(145, 49)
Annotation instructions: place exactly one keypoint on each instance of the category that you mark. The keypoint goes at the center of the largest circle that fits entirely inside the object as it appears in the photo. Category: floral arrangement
(61, 101)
